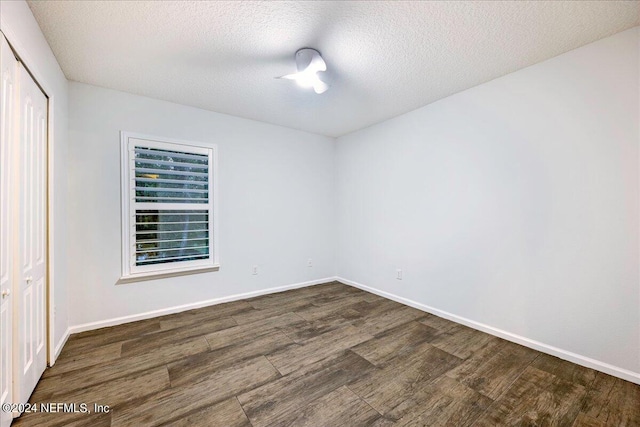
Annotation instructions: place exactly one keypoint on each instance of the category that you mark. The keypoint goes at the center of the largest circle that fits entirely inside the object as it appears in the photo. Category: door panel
(40, 338)
(26, 337)
(31, 360)
(8, 69)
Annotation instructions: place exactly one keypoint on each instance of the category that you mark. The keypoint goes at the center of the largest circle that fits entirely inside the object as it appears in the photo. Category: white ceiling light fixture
(309, 63)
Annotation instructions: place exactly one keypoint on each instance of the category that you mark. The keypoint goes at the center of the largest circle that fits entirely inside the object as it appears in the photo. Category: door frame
(41, 80)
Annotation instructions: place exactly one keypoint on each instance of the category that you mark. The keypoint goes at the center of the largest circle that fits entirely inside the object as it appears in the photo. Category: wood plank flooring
(326, 355)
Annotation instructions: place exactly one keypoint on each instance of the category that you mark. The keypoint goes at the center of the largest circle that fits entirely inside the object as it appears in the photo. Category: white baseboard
(625, 374)
(178, 308)
(59, 346)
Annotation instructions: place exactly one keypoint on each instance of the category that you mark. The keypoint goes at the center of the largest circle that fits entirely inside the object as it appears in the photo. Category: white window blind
(168, 203)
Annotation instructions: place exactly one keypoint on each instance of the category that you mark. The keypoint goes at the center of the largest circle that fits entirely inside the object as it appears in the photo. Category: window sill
(140, 277)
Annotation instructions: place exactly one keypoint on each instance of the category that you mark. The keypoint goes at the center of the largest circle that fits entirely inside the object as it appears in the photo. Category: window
(168, 206)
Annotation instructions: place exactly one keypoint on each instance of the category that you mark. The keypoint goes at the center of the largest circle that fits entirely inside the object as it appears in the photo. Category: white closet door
(31, 280)
(8, 69)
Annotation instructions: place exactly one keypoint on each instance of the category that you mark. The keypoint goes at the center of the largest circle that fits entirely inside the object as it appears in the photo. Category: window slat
(173, 259)
(169, 172)
(173, 211)
(168, 153)
(172, 190)
(172, 240)
(172, 199)
(183, 207)
(173, 222)
(171, 181)
(168, 163)
(199, 230)
(151, 250)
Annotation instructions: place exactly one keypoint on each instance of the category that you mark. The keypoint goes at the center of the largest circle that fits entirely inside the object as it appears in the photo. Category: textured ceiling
(384, 58)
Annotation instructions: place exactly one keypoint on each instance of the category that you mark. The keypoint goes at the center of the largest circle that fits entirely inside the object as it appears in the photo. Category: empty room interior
(319, 213)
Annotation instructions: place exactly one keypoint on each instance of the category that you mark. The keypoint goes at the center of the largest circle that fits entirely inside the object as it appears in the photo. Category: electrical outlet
(254, 271)
(309, 262)
(399, 274)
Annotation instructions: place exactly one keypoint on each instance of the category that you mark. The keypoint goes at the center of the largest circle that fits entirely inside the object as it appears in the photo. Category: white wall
(23, 32)
(513, 204)
(276, 204)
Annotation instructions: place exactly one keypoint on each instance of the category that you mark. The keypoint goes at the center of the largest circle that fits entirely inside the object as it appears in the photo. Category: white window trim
(187, 267)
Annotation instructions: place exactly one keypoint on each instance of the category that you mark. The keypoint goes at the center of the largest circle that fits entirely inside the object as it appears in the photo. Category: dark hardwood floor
(327, 355)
